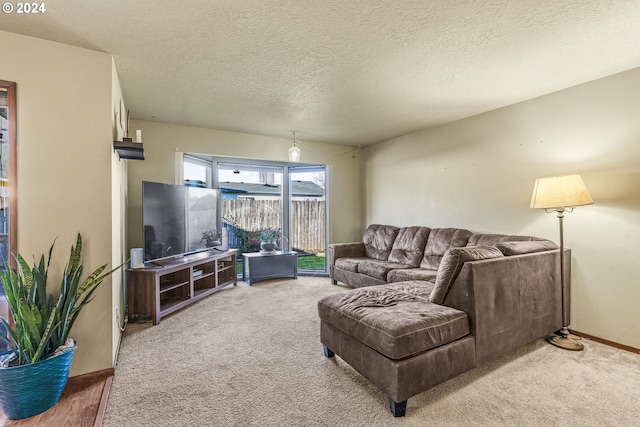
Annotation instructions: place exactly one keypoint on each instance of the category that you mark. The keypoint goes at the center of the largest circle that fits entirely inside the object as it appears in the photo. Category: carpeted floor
(251, 356)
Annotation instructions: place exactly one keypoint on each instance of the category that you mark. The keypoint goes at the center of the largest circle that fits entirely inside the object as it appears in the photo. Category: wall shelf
(127, 149)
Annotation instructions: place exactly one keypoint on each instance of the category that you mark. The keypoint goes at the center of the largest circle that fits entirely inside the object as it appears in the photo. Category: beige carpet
(251, 356)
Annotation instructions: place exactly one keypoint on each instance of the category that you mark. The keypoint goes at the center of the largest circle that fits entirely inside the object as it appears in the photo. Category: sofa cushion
(526, 247)
(378, 241)
(493, 239)
(452, 263)
(377, 269)
(349, 264)
(396, 320)
(406, 274)
(439, 241)
(408, 248)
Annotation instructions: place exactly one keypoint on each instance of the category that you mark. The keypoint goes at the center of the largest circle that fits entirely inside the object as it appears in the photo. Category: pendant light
(294, 152)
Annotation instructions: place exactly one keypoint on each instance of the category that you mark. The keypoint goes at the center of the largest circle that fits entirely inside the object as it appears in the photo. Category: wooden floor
(82, 404)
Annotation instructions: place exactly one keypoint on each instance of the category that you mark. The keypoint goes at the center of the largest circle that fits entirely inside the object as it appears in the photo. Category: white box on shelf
(137, 258)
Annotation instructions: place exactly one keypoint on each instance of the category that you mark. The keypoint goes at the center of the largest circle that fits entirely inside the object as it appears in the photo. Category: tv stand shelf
(158, 290)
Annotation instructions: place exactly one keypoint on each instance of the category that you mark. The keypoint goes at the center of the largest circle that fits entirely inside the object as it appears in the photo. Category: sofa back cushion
(439, 241)
(493, 239)
(452, 263)
(525, 247)
(378, 241)
(408, 248)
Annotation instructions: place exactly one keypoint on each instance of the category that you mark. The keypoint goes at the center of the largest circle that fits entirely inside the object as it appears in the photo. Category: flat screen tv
(179, 220)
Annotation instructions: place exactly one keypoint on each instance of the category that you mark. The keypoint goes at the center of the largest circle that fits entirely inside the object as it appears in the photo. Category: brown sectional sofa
(431, 304)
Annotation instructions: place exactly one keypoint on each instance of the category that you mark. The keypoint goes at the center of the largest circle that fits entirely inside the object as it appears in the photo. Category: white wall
(164, 145)
(478, 174)
(64, 169)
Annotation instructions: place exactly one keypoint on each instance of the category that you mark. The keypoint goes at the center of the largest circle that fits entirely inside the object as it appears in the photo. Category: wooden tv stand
(158, 290)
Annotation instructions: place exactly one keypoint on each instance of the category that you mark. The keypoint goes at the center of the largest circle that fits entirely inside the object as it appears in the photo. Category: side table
(260, 266)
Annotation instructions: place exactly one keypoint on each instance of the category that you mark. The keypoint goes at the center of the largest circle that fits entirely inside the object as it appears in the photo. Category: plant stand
(261, 266)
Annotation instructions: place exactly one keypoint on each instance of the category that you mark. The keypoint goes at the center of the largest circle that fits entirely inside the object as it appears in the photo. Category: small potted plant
(268, 238)
(211, 238)
(34, 372)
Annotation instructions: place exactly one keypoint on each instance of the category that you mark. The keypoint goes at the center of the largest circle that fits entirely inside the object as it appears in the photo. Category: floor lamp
(561, 194)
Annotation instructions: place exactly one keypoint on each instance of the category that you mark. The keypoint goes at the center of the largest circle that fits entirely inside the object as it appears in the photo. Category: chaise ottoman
(396, 338)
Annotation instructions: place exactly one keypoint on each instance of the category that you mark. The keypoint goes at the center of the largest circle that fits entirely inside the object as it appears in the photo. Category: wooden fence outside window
(244, 218)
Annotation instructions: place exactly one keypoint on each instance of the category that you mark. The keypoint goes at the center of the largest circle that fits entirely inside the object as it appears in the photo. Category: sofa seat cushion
(406, 274)
(378, 269)
(397, 319)
(350, 264)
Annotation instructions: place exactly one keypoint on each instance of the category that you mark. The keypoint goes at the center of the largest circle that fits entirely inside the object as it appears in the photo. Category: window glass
(197, 172)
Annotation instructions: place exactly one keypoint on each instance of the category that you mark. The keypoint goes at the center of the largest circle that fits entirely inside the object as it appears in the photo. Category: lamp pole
(565, 340)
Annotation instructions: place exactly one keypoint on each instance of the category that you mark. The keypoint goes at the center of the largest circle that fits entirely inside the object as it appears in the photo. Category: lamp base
(565, 343)
(564, 332)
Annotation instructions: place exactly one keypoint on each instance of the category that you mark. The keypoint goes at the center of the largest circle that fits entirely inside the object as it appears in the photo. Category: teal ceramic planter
(28, 390)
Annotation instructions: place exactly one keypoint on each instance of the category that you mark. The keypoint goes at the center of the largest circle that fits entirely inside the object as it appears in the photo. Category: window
(308, 216)
(197, 171)
(262, 195)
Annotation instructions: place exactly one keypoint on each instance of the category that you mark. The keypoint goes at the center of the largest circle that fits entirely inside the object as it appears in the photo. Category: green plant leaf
(46, 334)
(11, 338)
(25, 271)
(75, 255)
(92, 280)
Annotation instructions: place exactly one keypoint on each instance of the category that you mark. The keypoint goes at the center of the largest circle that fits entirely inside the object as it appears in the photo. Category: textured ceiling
(341, 71)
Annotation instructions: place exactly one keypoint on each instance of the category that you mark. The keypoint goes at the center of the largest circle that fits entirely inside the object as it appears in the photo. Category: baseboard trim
(105, 375)
(102, 374)
(103, 402)
(607, 342)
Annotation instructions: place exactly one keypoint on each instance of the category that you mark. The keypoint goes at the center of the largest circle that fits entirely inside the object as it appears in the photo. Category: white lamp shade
(560, 192)
(294, 154)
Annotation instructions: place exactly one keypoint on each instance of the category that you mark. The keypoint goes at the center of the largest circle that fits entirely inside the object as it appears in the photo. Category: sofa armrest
(346, 250)
(511, 301)
(343, 250)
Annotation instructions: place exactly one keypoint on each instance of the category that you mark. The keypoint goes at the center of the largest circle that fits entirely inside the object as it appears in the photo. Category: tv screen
(179, 220)
(202, 213)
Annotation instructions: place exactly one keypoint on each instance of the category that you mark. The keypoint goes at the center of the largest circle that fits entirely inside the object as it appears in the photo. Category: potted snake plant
(35, 369)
